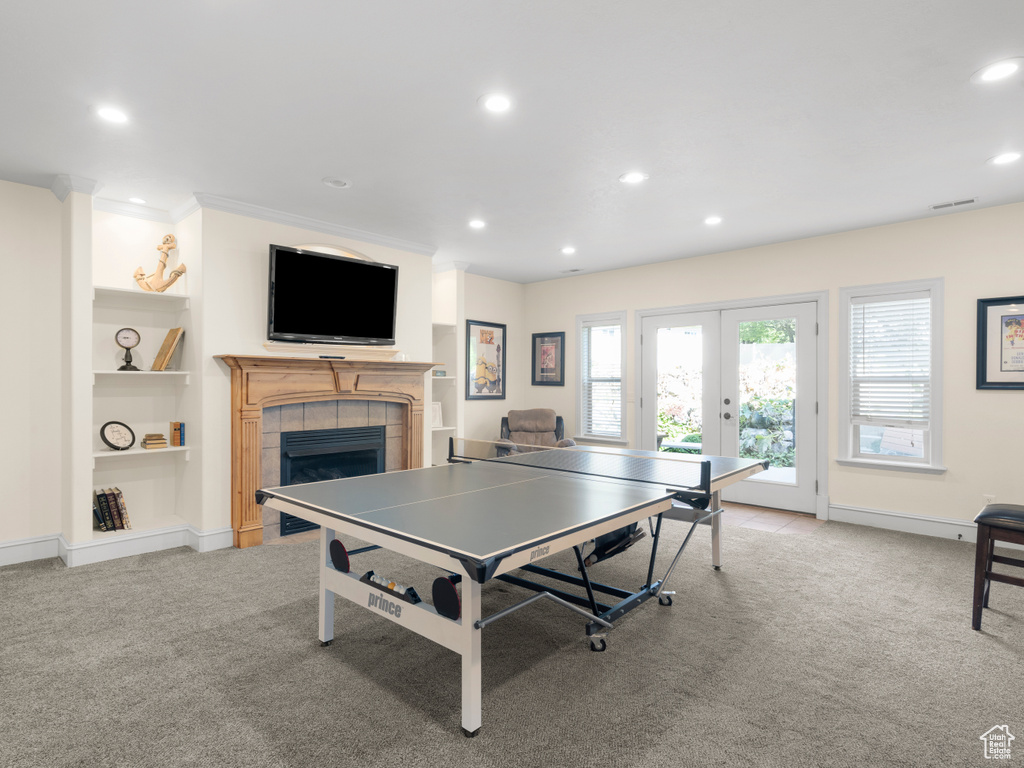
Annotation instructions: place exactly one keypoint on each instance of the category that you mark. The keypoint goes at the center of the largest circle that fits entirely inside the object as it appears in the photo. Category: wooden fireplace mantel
(258, 382)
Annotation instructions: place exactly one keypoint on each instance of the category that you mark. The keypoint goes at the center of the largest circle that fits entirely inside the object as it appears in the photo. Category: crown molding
(446, 266)
(184, 210)
(131, 209)
(64, 184)
(226, 205)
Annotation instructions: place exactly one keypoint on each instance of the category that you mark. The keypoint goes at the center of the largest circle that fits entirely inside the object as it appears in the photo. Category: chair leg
(988, 568)
(980, 562)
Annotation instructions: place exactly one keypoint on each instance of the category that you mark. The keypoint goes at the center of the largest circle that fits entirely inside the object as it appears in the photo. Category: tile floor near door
(770, 520)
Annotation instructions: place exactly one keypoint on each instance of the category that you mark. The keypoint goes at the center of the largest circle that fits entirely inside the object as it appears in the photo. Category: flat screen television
(325, 299)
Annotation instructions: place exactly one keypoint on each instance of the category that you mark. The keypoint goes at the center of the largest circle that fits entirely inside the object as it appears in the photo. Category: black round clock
(117, 436)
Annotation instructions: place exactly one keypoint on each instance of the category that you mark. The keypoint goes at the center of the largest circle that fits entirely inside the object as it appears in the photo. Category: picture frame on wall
(548, 369)
(485, 360)
(1001, 343)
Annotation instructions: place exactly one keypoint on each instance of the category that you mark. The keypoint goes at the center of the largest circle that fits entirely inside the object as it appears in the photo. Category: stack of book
(154, 440)
(109, 510)
(177, 433)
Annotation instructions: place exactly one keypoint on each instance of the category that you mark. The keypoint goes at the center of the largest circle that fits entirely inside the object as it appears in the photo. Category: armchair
(537, 426)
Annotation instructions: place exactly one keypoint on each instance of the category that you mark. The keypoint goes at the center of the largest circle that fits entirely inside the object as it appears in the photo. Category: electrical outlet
(990, 498)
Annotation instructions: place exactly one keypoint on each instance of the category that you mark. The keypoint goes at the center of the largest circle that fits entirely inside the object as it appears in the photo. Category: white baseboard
(123, 545)
(207, 541)
(137, 543)
(24, 550)
(942, 527)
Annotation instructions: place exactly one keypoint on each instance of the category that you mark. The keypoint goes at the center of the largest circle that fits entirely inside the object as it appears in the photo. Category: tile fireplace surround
(321, 394)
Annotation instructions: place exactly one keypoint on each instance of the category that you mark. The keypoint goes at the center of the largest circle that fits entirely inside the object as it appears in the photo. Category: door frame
(820, 298)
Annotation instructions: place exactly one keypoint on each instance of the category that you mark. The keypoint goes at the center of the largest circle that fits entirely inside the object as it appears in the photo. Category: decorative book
(154, 440)
(163, 357)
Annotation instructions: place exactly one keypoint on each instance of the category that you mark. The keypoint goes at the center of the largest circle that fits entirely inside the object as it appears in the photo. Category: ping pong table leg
(326, 596)
(472, 678)
(716, 531)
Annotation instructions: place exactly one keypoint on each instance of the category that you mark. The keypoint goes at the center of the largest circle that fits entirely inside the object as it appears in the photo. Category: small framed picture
(485, 361)
(436, 419)
(1001, 343)
(548, 359)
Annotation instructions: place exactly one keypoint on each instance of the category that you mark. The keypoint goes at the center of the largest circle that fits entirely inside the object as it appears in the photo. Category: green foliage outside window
(768, 331)
(766, 430)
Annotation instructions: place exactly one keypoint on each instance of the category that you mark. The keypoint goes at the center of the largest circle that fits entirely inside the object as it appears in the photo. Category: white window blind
(601, 368)
(890, 361)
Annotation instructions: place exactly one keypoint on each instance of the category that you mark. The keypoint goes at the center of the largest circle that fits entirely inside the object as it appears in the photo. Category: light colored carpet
(848, 646)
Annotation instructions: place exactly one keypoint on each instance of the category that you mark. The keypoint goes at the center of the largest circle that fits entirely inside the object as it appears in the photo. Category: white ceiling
(788, 119)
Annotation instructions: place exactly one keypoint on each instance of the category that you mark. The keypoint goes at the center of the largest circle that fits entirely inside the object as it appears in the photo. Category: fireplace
(390, 392)
(328, 454)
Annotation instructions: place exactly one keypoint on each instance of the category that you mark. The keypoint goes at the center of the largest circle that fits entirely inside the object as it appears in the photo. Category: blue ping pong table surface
(481, 510)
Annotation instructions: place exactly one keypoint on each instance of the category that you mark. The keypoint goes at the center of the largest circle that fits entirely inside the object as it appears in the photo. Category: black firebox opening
(327, 454)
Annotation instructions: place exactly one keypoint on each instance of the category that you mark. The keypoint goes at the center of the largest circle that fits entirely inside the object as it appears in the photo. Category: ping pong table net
(679, 472)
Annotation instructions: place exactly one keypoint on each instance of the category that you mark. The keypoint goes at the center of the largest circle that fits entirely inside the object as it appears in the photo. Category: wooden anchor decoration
(156, 281)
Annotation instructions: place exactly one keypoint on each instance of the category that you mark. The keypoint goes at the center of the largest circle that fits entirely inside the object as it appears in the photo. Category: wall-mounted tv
(325, 299)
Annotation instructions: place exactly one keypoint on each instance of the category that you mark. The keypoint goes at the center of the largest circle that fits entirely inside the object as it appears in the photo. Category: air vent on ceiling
(953, 204)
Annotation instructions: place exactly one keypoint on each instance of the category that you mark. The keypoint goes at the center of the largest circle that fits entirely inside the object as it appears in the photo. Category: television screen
(317, 297)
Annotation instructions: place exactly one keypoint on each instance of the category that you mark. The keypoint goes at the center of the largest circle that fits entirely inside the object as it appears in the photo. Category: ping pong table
(492, 511)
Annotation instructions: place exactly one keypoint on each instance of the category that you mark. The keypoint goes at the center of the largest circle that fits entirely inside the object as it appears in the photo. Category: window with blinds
(891, 393)
(601, 363)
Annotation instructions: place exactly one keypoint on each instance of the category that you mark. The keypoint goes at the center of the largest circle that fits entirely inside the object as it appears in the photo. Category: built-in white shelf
(141, 526)
(139, 451)
(443, 378)
(140, 375)
(127, 298)
(443, 429)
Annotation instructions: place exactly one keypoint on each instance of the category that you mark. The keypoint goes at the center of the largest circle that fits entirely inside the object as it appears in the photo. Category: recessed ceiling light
(713, 220)
(136, 200)
(633, 177)
(113, 115)
(568, 250)
(496, 102)
(477, 224)
(1005, 158)
(335, 183)
(999, 70)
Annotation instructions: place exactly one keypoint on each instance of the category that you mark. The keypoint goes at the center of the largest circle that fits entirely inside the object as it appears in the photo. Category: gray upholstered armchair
(537, 426)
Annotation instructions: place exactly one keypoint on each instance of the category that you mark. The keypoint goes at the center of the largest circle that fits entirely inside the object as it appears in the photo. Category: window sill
(928, 469)
(600, 440)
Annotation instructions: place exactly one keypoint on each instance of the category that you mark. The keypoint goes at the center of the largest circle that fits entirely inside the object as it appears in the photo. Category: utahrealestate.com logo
(997, 742)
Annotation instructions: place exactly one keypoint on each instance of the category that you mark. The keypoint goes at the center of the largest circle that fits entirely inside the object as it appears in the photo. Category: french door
(737, 382)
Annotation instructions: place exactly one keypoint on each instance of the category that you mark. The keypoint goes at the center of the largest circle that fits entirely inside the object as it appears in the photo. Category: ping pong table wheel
(598, 645)
(325, 643)
(470, 734)
(665, 600)
(339, 556)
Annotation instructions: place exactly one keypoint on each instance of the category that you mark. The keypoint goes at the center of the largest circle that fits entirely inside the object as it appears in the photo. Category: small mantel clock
(127, 339)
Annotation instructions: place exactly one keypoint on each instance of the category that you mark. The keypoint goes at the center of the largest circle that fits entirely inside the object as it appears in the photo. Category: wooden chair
(996, 522)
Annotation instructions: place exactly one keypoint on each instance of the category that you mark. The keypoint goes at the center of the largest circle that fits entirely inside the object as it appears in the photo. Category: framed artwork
(548, 359)
(485, 361)
(1001, 343)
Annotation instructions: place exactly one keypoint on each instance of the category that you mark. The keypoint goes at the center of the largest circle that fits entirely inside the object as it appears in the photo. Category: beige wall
(979, 253)
(30, 384)
(234, 308)
(497, 301)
